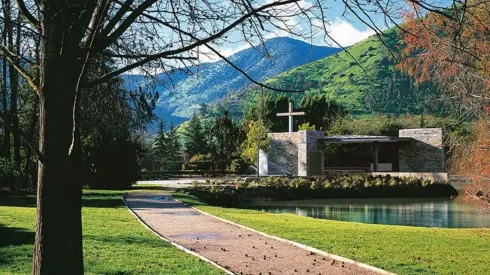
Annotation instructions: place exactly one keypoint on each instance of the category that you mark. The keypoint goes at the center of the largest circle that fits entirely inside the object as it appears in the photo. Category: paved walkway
(237, 249)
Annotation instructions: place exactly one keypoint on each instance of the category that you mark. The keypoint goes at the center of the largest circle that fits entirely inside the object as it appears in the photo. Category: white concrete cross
(290, 114)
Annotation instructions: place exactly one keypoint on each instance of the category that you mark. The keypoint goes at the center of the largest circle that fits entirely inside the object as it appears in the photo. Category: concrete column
(263, 164)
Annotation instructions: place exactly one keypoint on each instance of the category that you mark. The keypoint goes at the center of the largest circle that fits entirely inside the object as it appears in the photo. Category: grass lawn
(400, 249)
(114, 241)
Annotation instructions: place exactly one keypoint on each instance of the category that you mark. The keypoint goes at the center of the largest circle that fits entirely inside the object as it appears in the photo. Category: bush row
(339, 186)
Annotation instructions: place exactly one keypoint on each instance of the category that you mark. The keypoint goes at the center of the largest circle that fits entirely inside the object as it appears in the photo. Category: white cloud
(346, 34)
(206, 55)
(339, 29)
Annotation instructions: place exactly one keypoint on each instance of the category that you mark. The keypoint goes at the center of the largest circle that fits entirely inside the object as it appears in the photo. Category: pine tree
(161, 143)
(194, 137)
(173, 148)
(226, 141)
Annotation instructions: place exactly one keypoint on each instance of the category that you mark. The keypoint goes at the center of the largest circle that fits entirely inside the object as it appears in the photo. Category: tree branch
(39, 155)
(27, 14)
(189, 47)
(19, 69)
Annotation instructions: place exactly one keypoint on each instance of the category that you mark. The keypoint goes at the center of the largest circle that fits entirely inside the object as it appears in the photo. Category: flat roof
(363, 139)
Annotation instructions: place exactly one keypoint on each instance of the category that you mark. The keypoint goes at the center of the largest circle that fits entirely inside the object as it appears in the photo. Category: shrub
(238, 166)
(199, 158)
(337, 186)
(307, 126)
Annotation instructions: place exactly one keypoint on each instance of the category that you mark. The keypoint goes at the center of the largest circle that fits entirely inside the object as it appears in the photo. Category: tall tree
(173, 144)
(256, 140)
(452, 49)
(160, 144)
(195, 141)
(320, 111)
(226, 141)
(71, 35)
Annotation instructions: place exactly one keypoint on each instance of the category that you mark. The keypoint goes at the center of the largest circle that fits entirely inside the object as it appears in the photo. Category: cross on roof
(290, 114)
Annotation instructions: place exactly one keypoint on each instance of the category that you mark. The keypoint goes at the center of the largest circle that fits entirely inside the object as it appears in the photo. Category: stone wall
(310, 159)
(424, 153)
(282, 156)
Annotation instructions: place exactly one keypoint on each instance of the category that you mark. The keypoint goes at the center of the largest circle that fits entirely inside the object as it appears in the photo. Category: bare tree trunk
(58, 243)
(5, 146)
(5, 107)
(14, 89)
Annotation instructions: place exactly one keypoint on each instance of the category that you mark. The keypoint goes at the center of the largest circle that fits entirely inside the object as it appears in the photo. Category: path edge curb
(300, 245)
(123, 198)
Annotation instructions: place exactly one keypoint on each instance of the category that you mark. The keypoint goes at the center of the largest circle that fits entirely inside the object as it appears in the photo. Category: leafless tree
(145, 35)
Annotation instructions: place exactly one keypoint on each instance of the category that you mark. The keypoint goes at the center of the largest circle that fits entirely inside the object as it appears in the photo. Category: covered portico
(376, 142)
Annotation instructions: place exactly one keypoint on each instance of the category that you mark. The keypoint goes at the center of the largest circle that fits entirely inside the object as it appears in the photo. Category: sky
(345, 28)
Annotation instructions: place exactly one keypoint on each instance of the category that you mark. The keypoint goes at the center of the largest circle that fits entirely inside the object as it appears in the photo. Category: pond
(428, 212)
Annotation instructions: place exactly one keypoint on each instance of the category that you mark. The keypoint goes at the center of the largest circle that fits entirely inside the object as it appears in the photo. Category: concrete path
(239, 250)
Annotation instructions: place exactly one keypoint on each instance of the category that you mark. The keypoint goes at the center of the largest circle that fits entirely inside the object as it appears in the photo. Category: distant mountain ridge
(212, 81)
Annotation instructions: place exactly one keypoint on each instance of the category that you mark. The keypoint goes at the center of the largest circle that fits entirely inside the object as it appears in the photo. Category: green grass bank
(114, 241)
(399, 249)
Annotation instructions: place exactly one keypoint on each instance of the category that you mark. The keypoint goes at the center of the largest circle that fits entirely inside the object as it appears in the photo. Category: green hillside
(374, 87)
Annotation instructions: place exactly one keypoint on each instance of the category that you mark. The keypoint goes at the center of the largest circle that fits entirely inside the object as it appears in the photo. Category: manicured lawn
(114, 242)
(400, 249)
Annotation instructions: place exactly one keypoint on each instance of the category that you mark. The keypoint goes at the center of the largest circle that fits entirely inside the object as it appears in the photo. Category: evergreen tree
(320, 111)
(160, 143)
(194, 137)
(226, 141)
(173, 145)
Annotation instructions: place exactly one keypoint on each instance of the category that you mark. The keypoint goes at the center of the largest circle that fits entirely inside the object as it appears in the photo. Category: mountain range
(364, 79)
(212, 81)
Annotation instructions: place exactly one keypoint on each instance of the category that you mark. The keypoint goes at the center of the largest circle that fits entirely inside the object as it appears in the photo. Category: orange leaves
(452, 50)
(472, 160)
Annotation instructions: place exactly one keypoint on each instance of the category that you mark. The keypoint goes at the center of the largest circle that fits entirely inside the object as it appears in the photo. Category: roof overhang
(364, 139)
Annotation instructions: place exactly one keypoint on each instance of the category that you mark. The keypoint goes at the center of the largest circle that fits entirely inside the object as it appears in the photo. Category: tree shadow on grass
(18, 199)
(15, 236)
(12, 238)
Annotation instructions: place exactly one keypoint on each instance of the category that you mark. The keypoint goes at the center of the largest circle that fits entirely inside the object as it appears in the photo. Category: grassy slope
(375, 87)
(114, 242)
(338, 76)
(400, 249)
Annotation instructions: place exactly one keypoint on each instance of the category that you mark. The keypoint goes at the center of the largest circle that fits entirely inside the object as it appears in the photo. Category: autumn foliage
(452, 48)
(472, 160)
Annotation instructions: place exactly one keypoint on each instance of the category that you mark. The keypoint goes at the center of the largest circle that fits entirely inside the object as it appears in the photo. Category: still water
(431, 212)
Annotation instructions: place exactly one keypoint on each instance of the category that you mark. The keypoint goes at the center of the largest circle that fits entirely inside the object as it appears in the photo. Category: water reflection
(414, 212)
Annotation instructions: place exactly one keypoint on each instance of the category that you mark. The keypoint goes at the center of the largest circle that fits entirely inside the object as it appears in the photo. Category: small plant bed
(340, 186)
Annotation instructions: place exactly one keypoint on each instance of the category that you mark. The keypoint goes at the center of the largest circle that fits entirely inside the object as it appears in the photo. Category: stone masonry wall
(425, 153)
(310, 161)
(282, 156)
